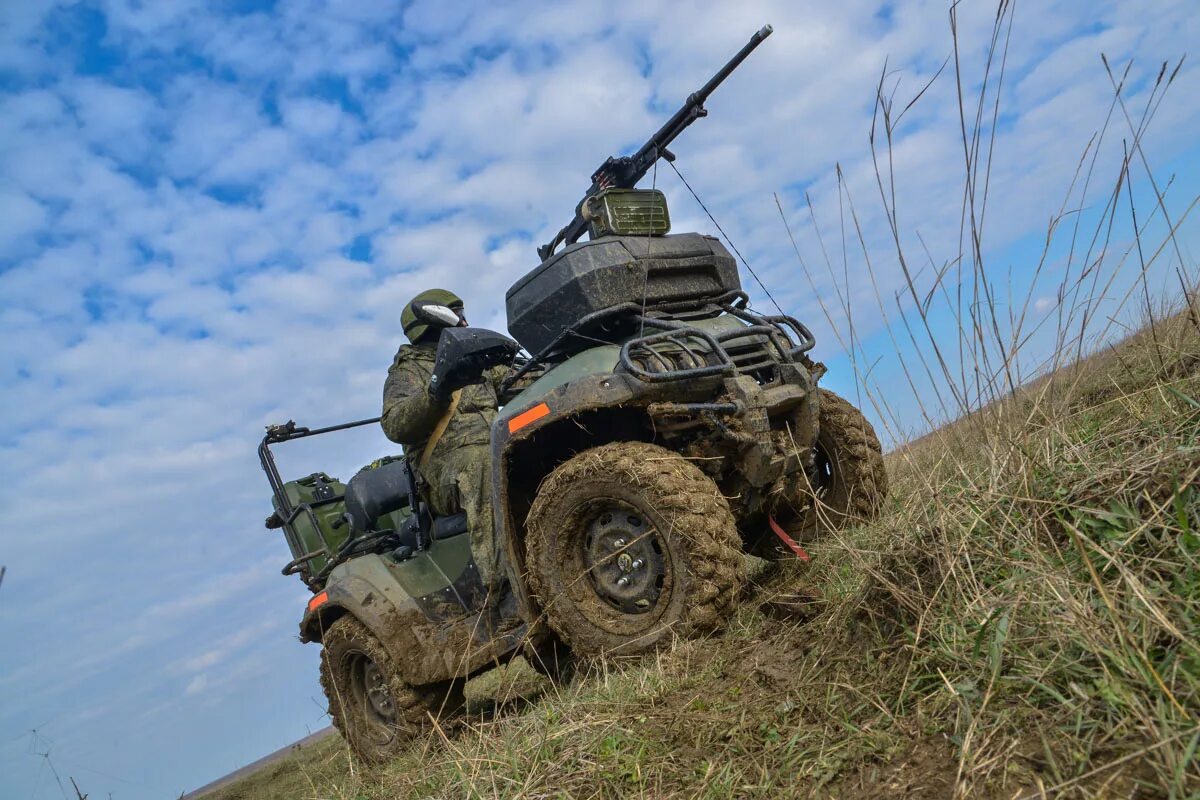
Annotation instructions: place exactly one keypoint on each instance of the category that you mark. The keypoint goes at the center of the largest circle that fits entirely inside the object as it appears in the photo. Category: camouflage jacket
(410, 414)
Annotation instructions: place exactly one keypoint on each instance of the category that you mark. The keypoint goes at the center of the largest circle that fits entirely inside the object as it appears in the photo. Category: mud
(692, 519)
(860, 481)
(924, 771)
(371, 742)
(426, 651)
(801, 602)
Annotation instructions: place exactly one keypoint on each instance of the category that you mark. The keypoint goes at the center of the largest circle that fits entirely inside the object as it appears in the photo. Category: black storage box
(592, 276)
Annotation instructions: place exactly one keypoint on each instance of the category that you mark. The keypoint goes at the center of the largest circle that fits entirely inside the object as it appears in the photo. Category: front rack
(773, 330)
(777, 328)
(642, 349)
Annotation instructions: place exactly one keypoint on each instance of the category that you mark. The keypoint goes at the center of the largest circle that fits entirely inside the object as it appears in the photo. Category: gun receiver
(624, 172)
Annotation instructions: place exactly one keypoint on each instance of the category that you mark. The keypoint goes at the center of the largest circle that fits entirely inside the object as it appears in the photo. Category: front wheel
(375, 710)
(630, 544)
(847, 483)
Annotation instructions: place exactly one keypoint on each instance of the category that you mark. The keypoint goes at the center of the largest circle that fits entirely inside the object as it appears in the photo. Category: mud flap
(462, 595)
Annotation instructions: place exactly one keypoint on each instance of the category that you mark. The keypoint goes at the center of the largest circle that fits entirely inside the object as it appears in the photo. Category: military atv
(657, 429)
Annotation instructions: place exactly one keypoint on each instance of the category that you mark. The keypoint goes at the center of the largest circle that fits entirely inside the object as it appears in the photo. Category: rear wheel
(630, 544)
(847, 484)
(372, 706)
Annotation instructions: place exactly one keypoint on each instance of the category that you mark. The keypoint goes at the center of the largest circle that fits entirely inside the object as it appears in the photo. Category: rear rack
(277, 434)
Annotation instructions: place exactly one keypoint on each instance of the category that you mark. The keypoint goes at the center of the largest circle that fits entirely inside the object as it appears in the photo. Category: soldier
(447, 436)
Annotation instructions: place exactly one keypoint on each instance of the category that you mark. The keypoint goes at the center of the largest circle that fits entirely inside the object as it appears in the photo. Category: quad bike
(657, 430)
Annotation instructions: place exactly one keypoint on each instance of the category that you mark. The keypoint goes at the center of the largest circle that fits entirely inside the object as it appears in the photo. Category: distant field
(293, 772)
(1021, 622)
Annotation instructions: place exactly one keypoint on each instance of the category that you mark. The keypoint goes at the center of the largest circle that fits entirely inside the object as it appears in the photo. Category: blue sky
(211, 215)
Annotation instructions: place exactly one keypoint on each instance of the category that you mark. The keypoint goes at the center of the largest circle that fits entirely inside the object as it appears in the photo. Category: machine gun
(624, 172)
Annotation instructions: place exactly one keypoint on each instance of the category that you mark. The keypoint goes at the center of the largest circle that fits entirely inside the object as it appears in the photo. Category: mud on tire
(849, 483)
(629, 544)
(371, 705)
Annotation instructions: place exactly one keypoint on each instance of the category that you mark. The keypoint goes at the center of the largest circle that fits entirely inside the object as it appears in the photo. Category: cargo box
(592, 276)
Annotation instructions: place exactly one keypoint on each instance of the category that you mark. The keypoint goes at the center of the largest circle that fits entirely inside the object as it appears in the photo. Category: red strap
(792, 544)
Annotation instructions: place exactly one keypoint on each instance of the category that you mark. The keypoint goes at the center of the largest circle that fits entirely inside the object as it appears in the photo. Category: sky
(212, 213)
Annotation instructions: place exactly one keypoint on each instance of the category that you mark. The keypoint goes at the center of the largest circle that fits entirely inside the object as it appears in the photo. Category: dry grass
(1022, 620)
(1049, 592)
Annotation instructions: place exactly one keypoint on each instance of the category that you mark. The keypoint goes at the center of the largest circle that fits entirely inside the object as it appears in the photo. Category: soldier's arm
(495, 376)
(409, 412)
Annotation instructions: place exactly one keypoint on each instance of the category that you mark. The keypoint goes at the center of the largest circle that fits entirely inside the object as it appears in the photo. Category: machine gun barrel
(624, 172)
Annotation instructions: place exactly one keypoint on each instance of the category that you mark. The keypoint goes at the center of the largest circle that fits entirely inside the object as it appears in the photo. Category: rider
(457, 466)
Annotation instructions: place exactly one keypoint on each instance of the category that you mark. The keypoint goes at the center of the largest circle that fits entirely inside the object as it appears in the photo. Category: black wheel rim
(624, 558)
(824, 472)
(371, 691)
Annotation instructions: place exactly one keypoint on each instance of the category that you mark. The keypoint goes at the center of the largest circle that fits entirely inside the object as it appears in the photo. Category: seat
(376, 491)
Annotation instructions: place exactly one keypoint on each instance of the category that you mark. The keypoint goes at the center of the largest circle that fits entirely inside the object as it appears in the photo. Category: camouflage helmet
(414, 329)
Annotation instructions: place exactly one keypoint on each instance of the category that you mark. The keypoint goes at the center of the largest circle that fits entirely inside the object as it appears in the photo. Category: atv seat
(374, 492)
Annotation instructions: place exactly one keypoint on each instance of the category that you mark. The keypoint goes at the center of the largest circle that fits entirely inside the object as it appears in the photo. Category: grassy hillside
(1022, 621)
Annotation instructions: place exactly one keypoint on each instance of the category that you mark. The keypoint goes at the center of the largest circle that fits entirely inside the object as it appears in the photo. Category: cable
(646, 274)
(726, 235)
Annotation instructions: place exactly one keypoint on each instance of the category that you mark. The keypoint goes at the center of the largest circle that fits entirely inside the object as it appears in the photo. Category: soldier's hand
(464, 355)
(463, 372)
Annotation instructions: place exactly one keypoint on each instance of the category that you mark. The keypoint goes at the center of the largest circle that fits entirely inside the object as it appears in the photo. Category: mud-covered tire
(374, 738)
(681, 525)
(849, 483)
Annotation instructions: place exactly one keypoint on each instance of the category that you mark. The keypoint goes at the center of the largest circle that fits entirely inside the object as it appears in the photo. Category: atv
(656, 430)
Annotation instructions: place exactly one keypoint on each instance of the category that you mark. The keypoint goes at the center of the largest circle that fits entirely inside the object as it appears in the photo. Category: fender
(427, 612)
(540, 412)
(587, 401)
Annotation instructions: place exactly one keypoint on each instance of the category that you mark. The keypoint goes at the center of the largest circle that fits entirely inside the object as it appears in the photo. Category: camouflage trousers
(461, 480)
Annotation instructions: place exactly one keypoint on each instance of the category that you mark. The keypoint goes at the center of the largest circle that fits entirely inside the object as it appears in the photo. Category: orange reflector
(318, 601)
(525, 417)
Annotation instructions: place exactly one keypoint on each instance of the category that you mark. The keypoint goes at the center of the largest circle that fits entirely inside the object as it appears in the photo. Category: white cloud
(210, 120)
(20, 217)
(114, 119)
(319, 121)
